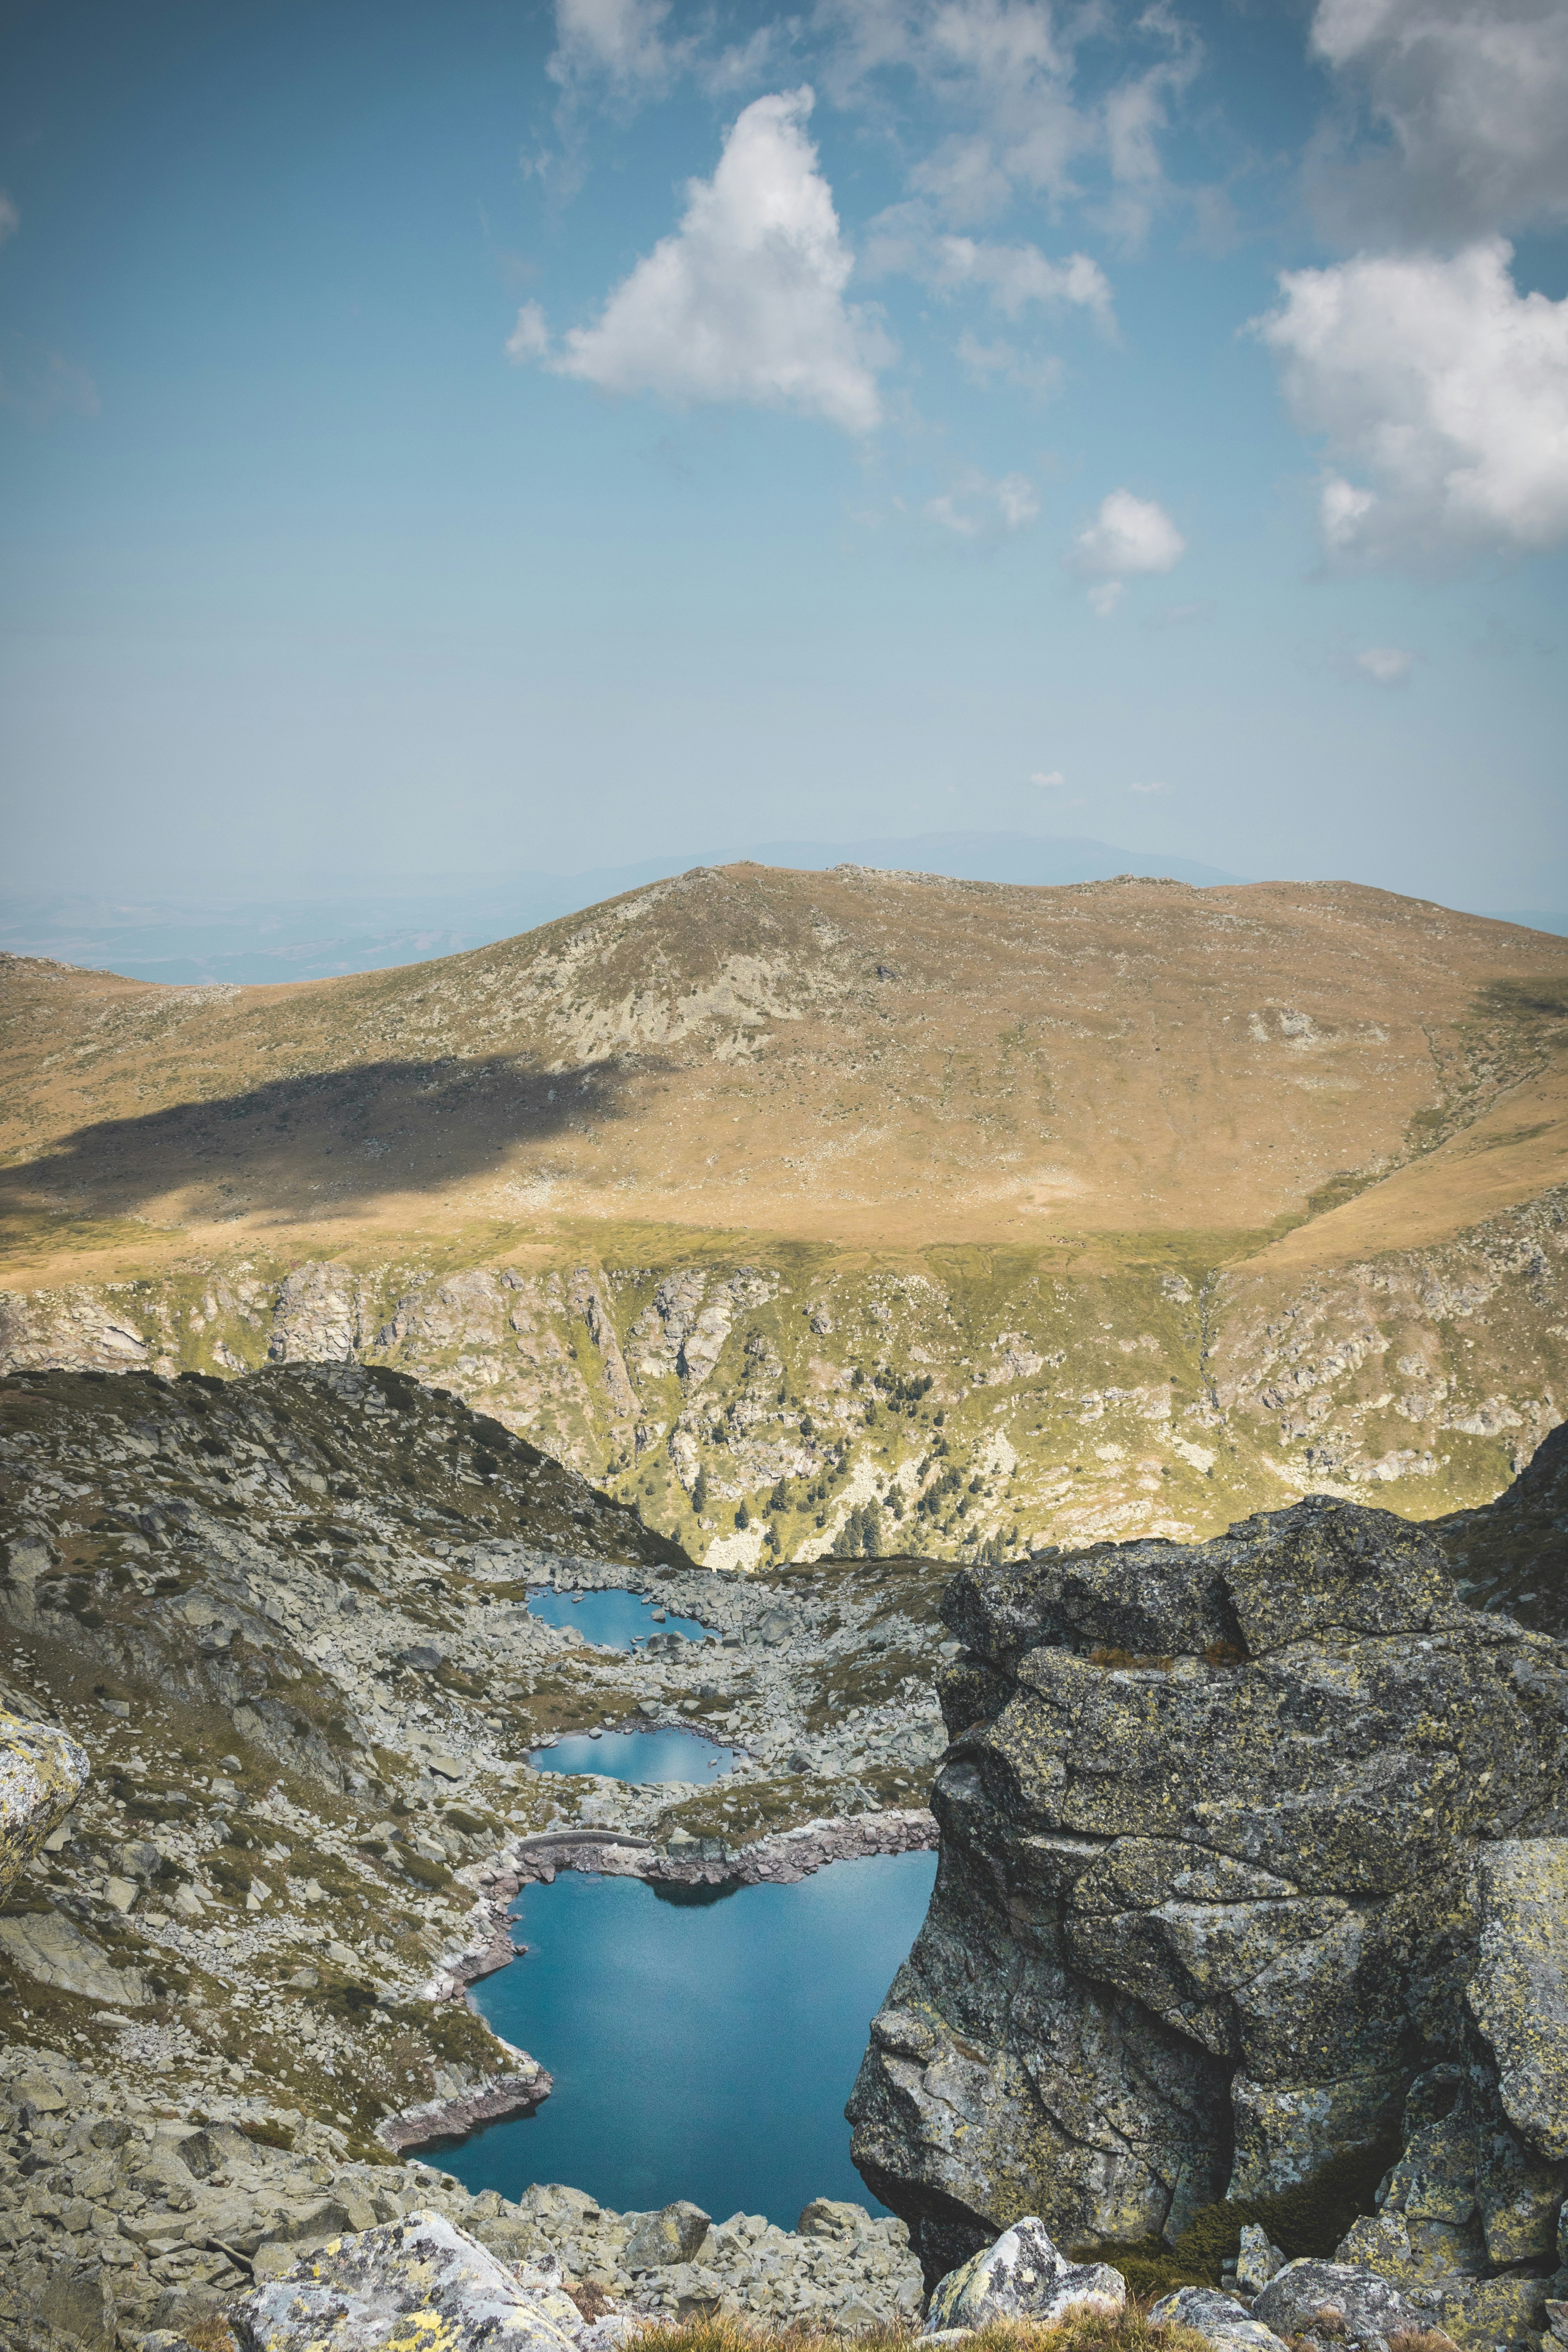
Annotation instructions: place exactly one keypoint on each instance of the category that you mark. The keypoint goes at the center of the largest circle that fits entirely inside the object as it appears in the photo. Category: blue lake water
(620, 1619)
(637, 1756)
(701, 2047)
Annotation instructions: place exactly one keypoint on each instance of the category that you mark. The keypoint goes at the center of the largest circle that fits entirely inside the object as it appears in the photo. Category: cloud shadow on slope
(300, 1146)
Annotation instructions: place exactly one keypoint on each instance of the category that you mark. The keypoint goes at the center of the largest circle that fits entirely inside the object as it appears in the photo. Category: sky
(448, 441)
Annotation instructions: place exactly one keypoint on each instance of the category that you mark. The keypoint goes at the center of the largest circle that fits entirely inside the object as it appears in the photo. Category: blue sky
(481, 438)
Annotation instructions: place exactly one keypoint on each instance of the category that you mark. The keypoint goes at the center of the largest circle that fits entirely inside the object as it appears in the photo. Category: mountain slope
(1181, 1201)
(845, 1056)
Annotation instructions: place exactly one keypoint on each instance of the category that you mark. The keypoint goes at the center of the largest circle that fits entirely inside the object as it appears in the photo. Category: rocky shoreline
(780, 1860)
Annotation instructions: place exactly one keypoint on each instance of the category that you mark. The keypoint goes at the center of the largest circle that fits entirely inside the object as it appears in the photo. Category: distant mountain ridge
(185, 941)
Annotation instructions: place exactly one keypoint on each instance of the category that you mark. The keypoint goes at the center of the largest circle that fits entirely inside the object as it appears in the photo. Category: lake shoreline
(780, 1860)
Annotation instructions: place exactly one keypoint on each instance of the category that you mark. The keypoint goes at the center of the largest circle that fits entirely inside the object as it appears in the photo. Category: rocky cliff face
(752, 1405)
(1230, 1839)
(1513, 1554)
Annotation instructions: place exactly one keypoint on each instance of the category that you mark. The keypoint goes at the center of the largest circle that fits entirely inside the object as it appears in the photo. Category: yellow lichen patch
(42, 1773)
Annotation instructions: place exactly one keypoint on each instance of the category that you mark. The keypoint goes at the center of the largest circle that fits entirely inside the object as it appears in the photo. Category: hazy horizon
(336, 930)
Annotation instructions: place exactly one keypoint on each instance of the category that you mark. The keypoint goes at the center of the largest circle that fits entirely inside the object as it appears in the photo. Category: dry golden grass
(1130, 2330)
(851, 1058)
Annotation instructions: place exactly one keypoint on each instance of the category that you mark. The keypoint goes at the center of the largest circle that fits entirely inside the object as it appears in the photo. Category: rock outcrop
(1024, 2276)
(1227, 1834)
(1223, 2322)
(1317, 2303)
(42, 1773)
(417, 2280)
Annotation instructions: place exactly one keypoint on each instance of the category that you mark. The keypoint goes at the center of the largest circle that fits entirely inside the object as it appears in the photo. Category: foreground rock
(1325, 2303)
(1220, 2319)
(419, 2279)
(1227, 1834)
(42, 1773)
(1024, 2276)
(116, 2220)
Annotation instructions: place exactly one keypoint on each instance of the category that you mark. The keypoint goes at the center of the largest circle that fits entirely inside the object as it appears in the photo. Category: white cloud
(530, 339)
(1055, 777)
(1385, 664)
(1128, 536)
(1004, 72)
(1441, 385)
(1468, 99)
(1148, 788)
(745, 301)
(904, 242)
(10, 218)
(977, 509)
(621, 40)
(1104, 599)
(1013, 276)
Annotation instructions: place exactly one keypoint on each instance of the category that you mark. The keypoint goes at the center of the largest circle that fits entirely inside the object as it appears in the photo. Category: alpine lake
(703, 2038)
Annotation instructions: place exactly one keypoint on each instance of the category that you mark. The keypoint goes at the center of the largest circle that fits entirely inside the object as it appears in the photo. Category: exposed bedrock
(42, 1773)
(1231, 1835)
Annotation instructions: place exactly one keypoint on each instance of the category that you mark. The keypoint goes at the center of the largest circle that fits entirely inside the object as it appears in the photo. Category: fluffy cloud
(745, 301)
(977, 509)
(1444, 388)
(1129, 536)
(1468, 99)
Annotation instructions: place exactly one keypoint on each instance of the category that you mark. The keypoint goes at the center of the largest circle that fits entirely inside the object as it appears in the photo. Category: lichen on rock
(1209, 1893)
(1024, 2276)
(42, 1773)
(416, 2282)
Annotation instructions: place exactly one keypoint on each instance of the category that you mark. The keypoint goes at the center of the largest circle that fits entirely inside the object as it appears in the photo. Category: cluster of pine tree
(861, 1537)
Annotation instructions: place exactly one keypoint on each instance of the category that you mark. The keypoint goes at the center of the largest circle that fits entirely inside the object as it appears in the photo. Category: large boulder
(42, 1773)
(673, 2234)
(1518, 1995)
(1022, 2276)
(1211, 1821)
(418, 2281)
(55, 1953)
(1224, 2322)
(1336, 2304)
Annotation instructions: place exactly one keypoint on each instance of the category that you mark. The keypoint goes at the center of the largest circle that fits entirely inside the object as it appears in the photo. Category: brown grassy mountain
(1243, 1154)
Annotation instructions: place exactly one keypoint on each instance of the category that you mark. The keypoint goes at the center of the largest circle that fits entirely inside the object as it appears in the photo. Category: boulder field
(1254, 1855)
(1254, 1863)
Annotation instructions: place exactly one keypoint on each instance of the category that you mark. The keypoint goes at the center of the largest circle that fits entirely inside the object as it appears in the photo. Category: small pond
(618, 1620)
(663, 1755)
(702, 2041)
